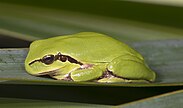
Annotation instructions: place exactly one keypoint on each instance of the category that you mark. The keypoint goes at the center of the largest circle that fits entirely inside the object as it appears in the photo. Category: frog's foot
(60, 75)
(116, 80)
(109, 77)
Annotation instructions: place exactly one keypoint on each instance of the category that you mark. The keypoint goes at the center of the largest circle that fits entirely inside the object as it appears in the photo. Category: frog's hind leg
(130, 68)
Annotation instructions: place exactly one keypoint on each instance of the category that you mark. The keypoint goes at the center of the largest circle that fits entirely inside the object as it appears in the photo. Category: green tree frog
(87, 56)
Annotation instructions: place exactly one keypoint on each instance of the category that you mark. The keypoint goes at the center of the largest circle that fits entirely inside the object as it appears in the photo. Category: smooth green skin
(100, 51)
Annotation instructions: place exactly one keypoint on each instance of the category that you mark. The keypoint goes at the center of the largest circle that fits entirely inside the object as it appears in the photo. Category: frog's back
(87, 46)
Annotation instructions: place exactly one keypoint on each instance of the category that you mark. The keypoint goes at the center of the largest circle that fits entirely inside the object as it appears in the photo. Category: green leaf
(31, 23)
(168, 100)
(164, 57)
(28, 103)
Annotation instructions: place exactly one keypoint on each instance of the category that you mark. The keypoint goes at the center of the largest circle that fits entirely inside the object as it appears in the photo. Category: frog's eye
(48, 59)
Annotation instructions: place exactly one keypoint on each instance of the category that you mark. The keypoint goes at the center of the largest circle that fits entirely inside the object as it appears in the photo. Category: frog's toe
(65, 77)
(111, 80)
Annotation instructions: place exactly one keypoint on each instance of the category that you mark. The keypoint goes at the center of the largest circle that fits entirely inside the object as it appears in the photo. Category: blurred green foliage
(151, 13)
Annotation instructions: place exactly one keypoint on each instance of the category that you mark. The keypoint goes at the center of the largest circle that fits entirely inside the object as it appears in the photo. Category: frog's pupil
(48, 59)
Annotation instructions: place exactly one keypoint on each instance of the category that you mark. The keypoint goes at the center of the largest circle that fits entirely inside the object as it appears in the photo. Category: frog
(87, 56)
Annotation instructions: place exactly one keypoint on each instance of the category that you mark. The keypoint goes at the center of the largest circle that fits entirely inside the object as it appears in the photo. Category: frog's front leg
(130, 68)
(75, 72)
(64, 72)
(87, 73)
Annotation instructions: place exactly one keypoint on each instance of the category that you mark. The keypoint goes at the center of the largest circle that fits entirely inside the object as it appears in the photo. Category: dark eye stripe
(49, 59)
(63, 58)
(34, 61)
(72, 60)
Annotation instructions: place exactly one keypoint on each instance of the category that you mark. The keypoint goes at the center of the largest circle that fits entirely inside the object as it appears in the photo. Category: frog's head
(44, 59)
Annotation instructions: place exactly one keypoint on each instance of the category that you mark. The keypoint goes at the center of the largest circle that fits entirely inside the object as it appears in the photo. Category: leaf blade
(166, 61)
(167, 100)
(29, 103)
